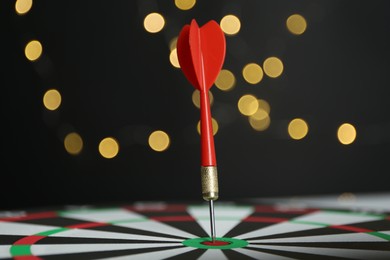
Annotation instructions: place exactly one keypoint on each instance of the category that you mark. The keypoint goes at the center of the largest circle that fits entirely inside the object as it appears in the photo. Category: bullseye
(219, 243)
(216, 243)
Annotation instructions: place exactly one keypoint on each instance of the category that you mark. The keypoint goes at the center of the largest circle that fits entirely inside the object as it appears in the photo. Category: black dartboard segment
(180, 231)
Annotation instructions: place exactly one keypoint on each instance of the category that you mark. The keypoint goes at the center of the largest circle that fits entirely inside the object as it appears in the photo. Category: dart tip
(212, 220)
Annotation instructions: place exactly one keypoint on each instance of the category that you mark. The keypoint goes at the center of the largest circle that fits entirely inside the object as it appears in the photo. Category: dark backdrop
(116, 80)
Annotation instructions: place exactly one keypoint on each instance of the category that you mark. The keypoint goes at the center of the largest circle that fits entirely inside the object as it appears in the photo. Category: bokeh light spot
(225, 80)
(346, 133)
(159, 141)
(173, 59)
(252, 73)
(273, 67)
(214, 125)
(33, 50)
(185, 4)
(248, 105)
(230, 24)
(23, 6)
(108, 147)
(264, 105)
(173, 43)
(260, 121)
(196, 98)
(260, 114)
(73, 143)
(154, 22)
(297, 128)
(296, 24)
(52, 99)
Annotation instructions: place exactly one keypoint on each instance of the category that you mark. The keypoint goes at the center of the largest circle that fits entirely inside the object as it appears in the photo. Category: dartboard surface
(161, 230)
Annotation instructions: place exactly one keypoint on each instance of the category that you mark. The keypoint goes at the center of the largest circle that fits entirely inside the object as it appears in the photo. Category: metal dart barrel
(209, 177)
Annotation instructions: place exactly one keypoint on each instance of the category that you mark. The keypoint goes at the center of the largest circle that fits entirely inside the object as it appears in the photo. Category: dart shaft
(212, 220)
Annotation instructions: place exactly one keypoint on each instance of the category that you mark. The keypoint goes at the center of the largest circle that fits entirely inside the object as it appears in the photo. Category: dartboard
(161, 230)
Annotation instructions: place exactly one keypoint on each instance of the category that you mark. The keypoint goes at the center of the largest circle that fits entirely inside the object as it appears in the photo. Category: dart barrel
(209, 178)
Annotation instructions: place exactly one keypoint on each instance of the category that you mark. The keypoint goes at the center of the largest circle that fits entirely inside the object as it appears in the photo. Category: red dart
(201, 53)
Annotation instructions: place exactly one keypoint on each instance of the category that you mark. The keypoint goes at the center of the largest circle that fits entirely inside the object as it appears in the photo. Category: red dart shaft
(206, 126)
(206, 131)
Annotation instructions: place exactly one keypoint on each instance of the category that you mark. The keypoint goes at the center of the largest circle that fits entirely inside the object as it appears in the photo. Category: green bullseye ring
(198, 243)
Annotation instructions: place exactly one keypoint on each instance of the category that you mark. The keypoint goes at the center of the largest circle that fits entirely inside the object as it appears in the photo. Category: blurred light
(260, 114)
(52, 99)
(33, 50)
(73, 143)
(154, 22)
(108, 147)
(196, 98)
(173, 43)
(225, 80)
(264, 105)
(252, 73)
(260, 124)
(230, 24)
(214, 125)
(273, 67)
(297, 128)
(248, 105)
(173, 59)
(185, 4)
(23, 6)
(346, 133)
(296, 24)
(346, 197)
(159, 141)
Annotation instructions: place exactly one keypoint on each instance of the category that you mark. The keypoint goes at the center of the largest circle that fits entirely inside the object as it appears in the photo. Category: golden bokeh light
(260, 114)
(173, 43)
(273, 67)
(173, 59)
(252, 73)
(23, 6)
(33, 50)
(346, 133)
(185, 4)
(214, 125)
(248, 105)
(346, 197)
(52, 99)
(73, 143)
(296, 24)
(260, 121)
(196, 98)
(264, 105)
(108, 147)
(225, 80)
(154, 22)
(297, 128)
(159, 141)
(230, 24)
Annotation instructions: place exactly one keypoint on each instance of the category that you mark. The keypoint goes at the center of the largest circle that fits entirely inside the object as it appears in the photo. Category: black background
(116, 80)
